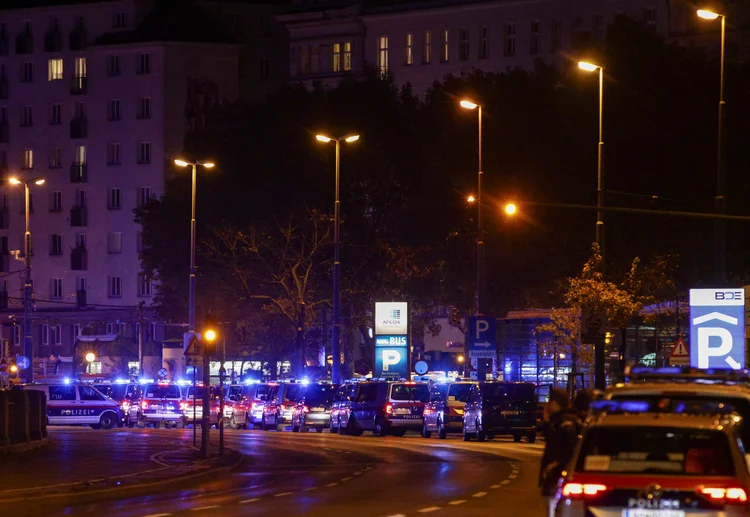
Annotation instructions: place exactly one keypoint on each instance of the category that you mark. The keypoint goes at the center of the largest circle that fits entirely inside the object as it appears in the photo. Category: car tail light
(731, 495)
(305, 409)
(582, 489)
(125, 405)
(254, 406)
(389, 409)
(183, 406)
(144, 405)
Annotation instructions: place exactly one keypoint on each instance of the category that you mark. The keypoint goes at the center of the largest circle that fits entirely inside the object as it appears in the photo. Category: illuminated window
(383, 54)
(409, 49)
(80, 155)
(55, 69)
(445, 47)
(28, 158)
(80, 67)
(427, 48)
(347, 56)
(336, 65)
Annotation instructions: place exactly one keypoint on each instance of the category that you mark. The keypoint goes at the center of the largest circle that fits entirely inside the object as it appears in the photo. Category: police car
(635, 461)
(161, 403)
(79, 404)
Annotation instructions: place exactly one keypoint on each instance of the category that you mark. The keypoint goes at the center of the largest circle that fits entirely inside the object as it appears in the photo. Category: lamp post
(336, 331)
(28, 339)
(194, 166)
(479, 294)
(720, 228)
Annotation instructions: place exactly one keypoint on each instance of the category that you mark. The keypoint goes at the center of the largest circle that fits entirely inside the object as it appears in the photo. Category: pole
(222, 371)
(28, 340)
(600, 381)
(720, 229)
(140, 340)
(206, 413)
(195, 427)
(481, 363)
(336, 331)
(191, 313)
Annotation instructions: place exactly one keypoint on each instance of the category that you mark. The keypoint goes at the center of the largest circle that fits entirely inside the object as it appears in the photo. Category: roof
(658, 388)
(188, 23)
(689, 421)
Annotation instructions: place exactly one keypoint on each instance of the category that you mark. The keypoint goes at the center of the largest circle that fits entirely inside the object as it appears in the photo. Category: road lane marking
(283, 494)
(495, 486)
(250, 500)
(480, 494)
(513, 476)
(397, 515)
(332, 484)
(308, 489)
(505, 482)
(429, 509)
(158, 515)
(345, 479)
(514, 467)
(455, 503)
(204, 508)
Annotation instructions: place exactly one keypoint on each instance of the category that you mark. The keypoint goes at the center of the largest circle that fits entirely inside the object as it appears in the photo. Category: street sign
(391, 363)
(22, 362)
(592, 322)
(392, 358)
(680, 355)
(162, 373)
(482, 337)
(717, 328)
(421, 367)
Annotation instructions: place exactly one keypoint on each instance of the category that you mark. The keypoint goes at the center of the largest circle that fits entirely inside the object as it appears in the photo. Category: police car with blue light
(79, 404)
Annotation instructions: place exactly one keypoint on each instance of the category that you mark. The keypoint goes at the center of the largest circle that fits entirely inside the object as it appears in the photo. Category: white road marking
(480, 494)
(505, 482)
(460, 501)
(514, 466)
(357, 473)
(282, 494)
(345, 479)
(429, 509)
(495, 486)
(332, 484)
(310, 489)
(250, 500)
(513, 476)
(204, 508)
(397, 515)
(158, 515)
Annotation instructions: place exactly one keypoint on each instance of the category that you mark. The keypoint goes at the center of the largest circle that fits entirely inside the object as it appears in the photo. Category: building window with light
(484, 42)
(383, 54)
(80, 67)
(347, 56)
(510, 39)
(463, 44)
(55, 69)
(144, 285)
(336, 57)
(409, 49)
(445, 46)
(534, 47)
(28, 158)
(427, 48)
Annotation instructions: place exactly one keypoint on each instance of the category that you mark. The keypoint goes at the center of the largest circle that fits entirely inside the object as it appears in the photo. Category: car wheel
(379, 429)
(318, 429)
(490, 436)
(425, 432)
(233, 423)
(141, 424)
(352, 428)
(480, 434)
(516, 437)
(263, 425)
(108, 420)
(442, 433)
(531, 438)
(467, 436)
(341, 430)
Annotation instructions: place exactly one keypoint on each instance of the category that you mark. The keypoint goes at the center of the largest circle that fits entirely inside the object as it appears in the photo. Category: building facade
(95, 98)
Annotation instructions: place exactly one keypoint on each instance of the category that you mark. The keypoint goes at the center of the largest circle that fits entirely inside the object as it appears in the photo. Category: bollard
(4, 419)
(18, 403)
(35, 414)
(43, 414)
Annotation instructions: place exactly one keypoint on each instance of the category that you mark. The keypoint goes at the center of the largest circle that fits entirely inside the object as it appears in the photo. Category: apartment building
(422, 42)
(95, 98)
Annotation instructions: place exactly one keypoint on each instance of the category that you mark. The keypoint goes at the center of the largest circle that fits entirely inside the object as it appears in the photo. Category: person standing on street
(562, 425)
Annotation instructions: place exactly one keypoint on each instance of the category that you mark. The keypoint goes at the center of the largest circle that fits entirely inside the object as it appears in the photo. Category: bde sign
(717, 328)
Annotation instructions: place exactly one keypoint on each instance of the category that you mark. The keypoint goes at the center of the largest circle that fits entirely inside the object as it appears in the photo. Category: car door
(473, 409)
(91, 405)
(361, 405)
(434, 406)
(269, 410)
(62, 403)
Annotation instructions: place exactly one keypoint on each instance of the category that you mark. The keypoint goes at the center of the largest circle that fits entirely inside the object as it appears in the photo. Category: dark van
(496, 408)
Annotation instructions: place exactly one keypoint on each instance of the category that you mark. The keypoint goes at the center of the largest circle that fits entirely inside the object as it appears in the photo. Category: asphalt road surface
(328, 475)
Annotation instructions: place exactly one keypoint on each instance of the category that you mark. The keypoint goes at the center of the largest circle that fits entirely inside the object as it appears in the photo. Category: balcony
(81, 298)
(79, 173)
(78, 39)
(4, 88)
(4, 218)
(79, 260)
(4, 133)
(52, 41)
(78, 85)
(25, 43)
(79, 128)
(79, 216)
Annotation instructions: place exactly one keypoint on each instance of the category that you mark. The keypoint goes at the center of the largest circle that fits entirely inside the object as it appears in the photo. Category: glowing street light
(469, 105)
(210, 335)
(336, 331)
(90, 357)
(510, 209)
(589, 67)
(470, 198)
(707, 15)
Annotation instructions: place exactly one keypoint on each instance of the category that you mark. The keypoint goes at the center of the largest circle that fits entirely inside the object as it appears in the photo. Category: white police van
(79, 404)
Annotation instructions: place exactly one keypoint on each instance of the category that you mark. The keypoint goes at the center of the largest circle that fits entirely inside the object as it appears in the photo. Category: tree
(562, 335)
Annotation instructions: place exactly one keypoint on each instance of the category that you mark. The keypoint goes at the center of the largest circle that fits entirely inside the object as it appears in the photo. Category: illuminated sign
(391, 318)
(717, 328)
(392, 340)
(392, 362)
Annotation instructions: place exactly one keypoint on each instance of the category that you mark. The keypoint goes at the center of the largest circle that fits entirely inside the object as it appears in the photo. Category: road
(329, 475)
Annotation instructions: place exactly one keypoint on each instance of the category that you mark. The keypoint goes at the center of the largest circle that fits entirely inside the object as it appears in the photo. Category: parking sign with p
(717, 328)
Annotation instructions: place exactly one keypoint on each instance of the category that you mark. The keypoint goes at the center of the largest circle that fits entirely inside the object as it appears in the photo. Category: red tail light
(389, 409)
(254, 406)
(305, 409)
(125, 405)
(144, 405)
(581, 490)
(184, 406)
(730, 495)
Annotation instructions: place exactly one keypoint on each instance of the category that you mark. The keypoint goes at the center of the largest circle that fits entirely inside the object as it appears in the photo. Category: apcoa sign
(717, 328)
(391, 318)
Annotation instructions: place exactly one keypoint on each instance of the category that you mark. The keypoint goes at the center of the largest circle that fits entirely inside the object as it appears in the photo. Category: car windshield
(200, 391)
(459, 392)
(106, 389)
(508, 392)
(162, 391)
(410, 392)
(319, 394)
(667, 450)
(291, 392)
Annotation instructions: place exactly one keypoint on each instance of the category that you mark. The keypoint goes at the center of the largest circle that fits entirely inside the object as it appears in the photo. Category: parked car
(497, 408)
(444, 412)
(313, 409)
(385, 407)
(341, 406)
(655, 465)
(161, 404)
(193, 405)
(79, 404)
(279, 406)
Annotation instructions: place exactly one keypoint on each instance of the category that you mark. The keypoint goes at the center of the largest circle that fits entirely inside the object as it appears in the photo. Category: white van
(75, 404)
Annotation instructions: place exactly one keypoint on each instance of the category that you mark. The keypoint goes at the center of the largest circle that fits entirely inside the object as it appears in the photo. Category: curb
(79, 489)
(19, 448)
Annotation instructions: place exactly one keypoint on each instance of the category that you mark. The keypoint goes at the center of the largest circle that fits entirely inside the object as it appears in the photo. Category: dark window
(459, 392)
(506, 392)
(367, 393)
(410, 392)
(319, 394)
(89, 393)
(291, 392)
(62, 392)
(438, 392)
(162, 391)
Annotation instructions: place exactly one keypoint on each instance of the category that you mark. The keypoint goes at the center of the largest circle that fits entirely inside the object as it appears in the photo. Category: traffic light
(209, 334)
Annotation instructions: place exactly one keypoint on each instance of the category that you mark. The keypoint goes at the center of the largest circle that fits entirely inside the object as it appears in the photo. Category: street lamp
(720, 202)
(194, 165)
(470, 105)
(510, 209)
(90, 358)
(28, 339)
(471, 199)
(336, 332)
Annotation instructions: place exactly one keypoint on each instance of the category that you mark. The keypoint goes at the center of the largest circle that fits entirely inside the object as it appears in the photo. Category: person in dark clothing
(582, 403)
(562, 426)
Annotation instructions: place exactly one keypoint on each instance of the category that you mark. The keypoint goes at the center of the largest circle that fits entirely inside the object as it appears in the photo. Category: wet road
(328, 475)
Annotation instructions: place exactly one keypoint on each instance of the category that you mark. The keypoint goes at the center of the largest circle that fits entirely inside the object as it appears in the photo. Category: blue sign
(717, 328)
(483, 337)
(22, 362)
(391, 341)
(162, 372)
(391, 362)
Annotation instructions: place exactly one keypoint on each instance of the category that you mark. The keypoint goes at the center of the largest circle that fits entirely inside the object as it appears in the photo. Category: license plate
(510, 412)
(317, 409)
(640, 512)
(401, 411)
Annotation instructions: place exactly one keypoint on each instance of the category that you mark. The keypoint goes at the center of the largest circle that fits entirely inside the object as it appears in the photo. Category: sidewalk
(81, 460)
